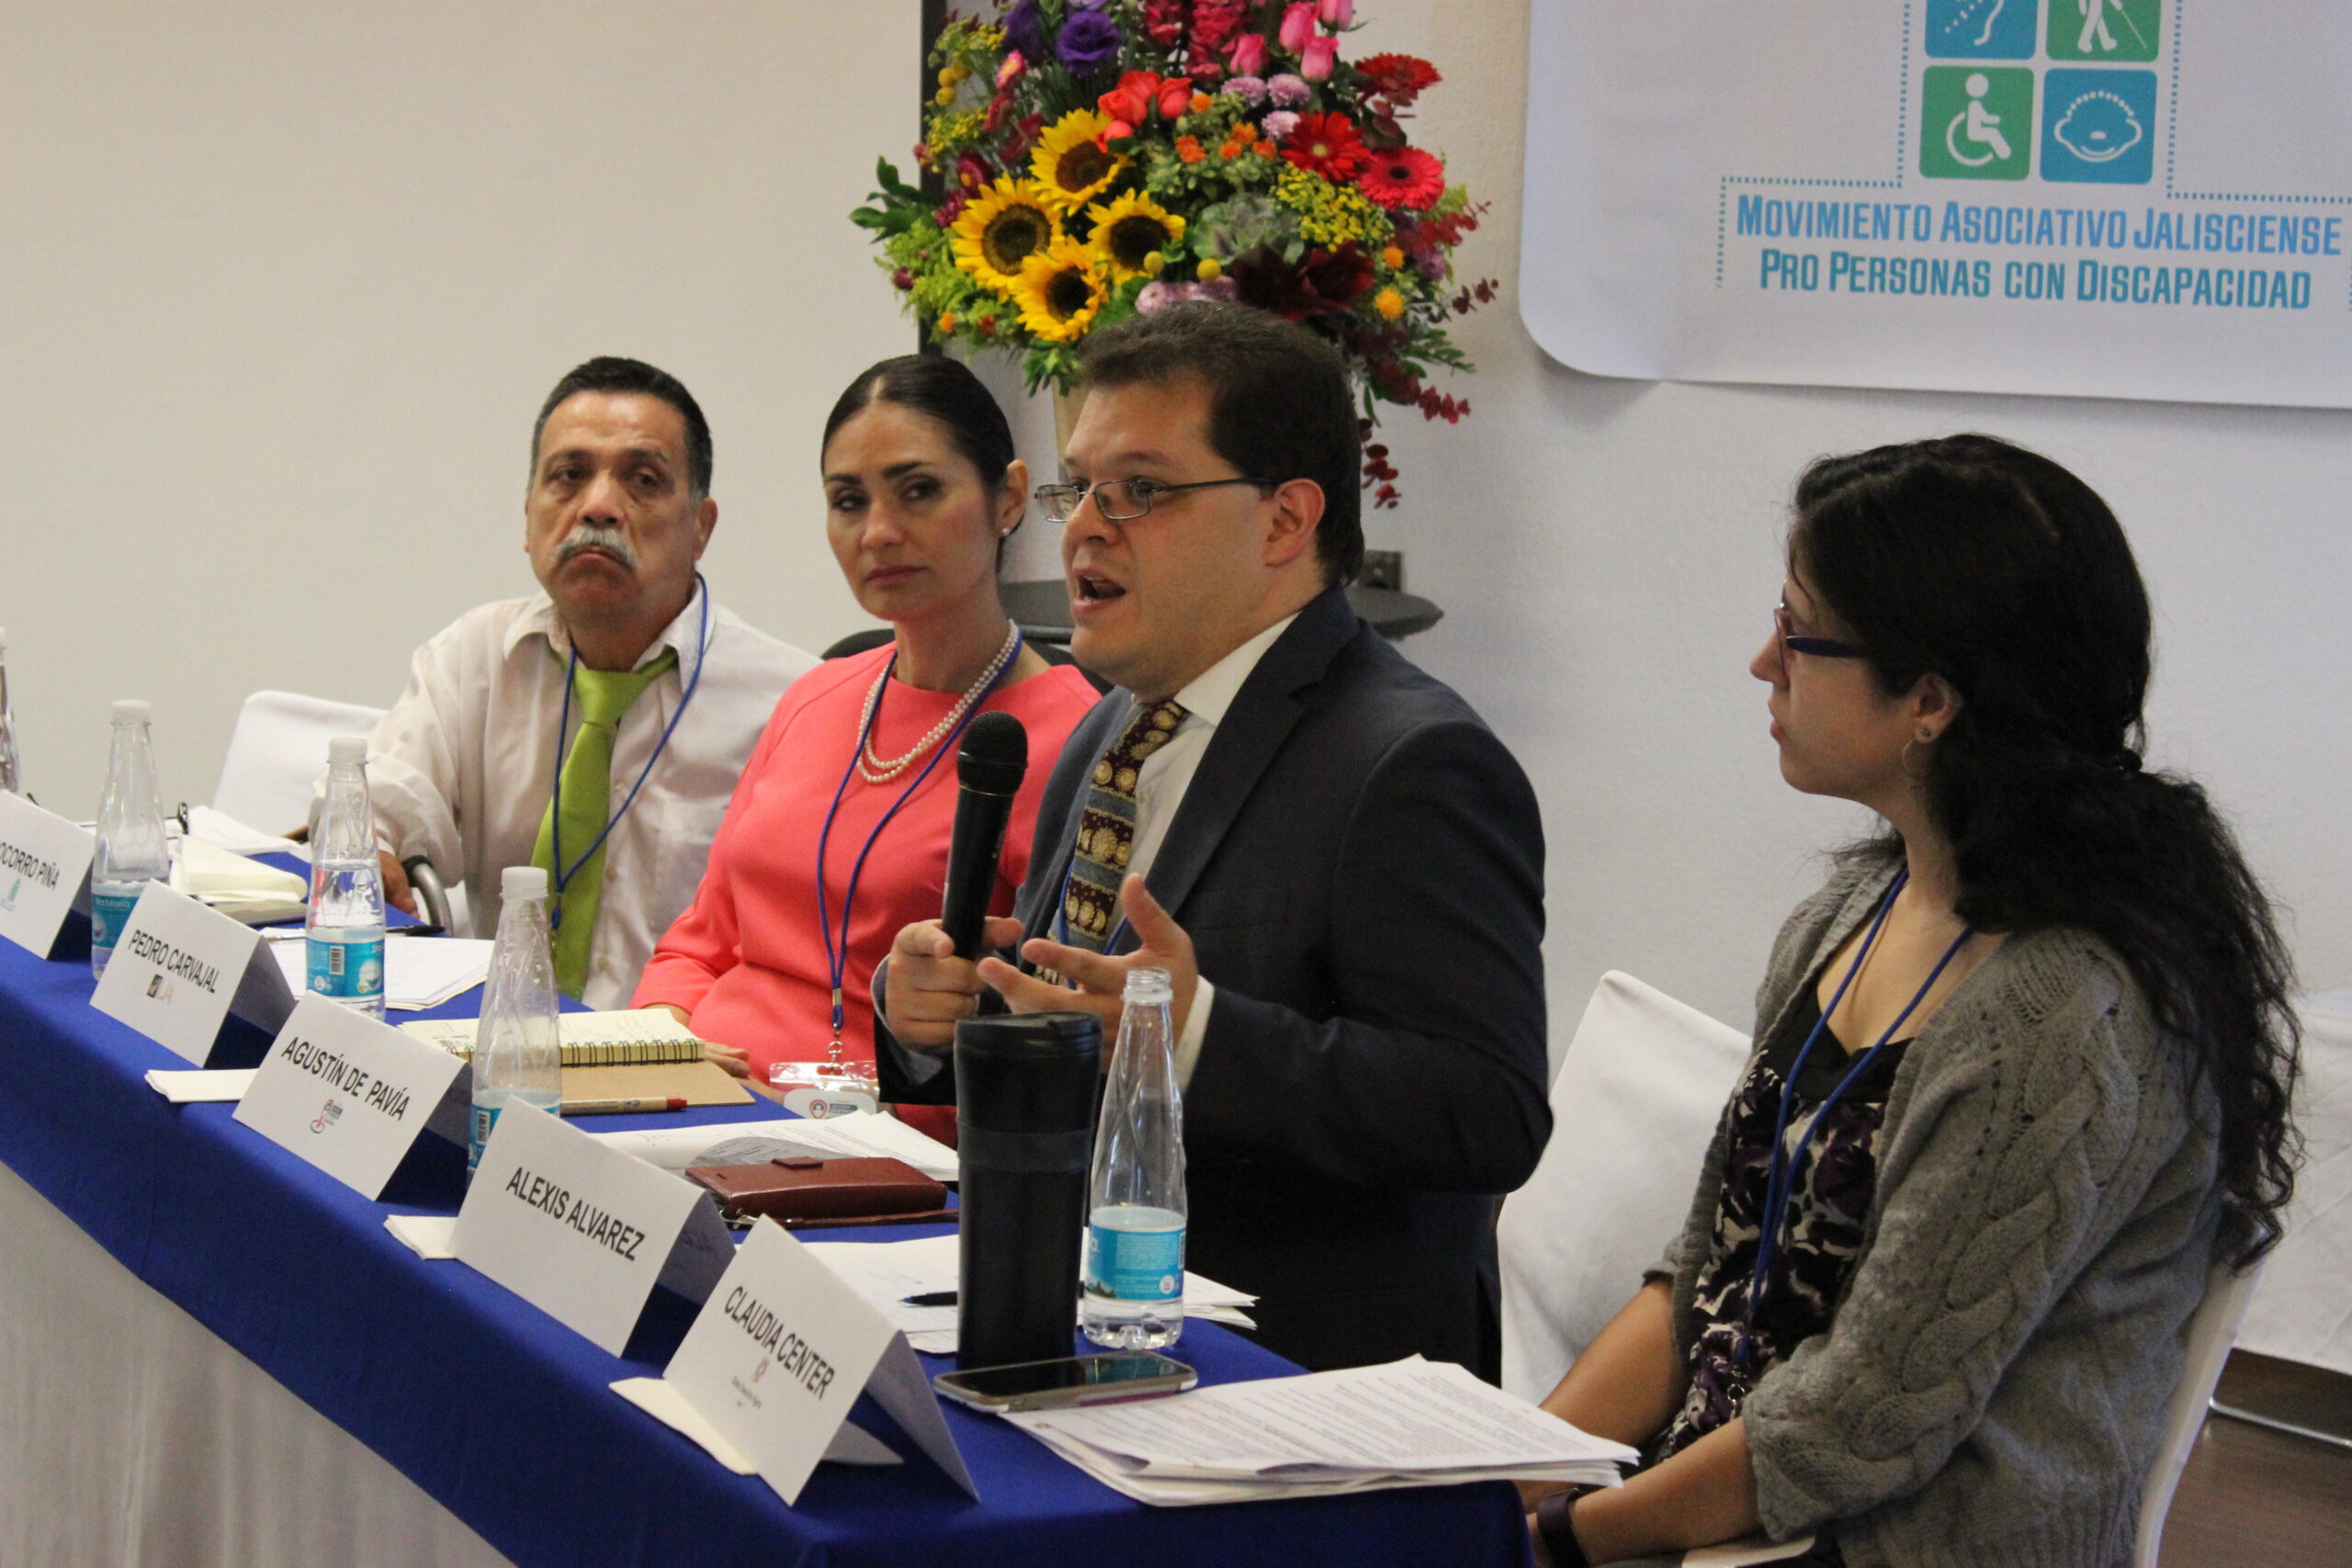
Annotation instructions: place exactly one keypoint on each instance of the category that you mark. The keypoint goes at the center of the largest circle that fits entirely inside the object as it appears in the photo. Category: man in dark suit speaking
(1336, 861)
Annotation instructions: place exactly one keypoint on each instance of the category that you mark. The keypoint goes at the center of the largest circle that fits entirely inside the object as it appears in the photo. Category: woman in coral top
(837, 835)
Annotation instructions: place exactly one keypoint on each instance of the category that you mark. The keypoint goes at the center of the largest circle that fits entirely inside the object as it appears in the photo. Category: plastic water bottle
(131, 849)
(344, 928)
(10, 780)
(1134, 1274)
(518, 1050)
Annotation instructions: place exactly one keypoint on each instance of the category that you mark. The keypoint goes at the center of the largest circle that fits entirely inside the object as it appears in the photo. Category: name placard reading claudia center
(347, 1093)
(583, 1232)
(179, 969)
(782, 1351)
(44, 870)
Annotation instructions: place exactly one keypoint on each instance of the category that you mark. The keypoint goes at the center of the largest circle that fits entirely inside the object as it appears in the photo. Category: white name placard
(347, 1093)
(582, 1232)
(44, 871)
(179, 969)
(782, 1351)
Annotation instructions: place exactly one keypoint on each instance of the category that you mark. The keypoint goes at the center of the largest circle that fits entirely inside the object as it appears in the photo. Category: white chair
(277, 751)
(2212, 1329)
(1636, 1104)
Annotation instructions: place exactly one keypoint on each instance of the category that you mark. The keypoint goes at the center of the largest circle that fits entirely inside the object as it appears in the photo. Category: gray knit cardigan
(1991, 1389)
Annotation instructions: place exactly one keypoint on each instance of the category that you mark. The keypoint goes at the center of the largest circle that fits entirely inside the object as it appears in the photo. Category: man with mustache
(1341, 868)
(595, 728)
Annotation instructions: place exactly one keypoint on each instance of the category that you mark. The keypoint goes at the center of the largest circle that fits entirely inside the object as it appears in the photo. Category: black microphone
(989, 766)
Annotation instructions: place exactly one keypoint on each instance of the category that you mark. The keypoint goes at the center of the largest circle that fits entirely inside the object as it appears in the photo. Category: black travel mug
(1025, 1135)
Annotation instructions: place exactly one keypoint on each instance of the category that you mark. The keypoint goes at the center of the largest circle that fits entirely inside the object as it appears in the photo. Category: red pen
(617, 1107)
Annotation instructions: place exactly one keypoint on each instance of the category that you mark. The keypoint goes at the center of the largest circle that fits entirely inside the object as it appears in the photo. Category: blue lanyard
(837, 953)
(1779, 1180)
(562, 876)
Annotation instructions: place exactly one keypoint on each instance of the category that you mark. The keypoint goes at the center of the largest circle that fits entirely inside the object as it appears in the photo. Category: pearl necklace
(872, 767)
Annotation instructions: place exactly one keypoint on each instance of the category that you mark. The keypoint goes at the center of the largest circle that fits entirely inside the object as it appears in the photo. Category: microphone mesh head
(994, 755)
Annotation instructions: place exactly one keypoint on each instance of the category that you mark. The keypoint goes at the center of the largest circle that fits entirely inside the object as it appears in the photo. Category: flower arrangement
(1099, 158)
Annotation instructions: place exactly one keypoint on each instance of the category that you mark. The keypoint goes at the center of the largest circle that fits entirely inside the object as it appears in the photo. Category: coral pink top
(746, 960)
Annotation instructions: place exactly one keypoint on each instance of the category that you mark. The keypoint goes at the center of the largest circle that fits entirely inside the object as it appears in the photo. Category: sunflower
(1070, 163)
(1130, 232)
(1002, 227)
(1060, 291)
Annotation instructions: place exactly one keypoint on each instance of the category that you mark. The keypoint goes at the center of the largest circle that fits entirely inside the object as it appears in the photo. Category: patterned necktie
(1106, 832)
(585, 789)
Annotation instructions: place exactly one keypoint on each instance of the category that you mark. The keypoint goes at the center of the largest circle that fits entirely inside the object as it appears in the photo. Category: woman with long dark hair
(837, 833)
(2020, 1077)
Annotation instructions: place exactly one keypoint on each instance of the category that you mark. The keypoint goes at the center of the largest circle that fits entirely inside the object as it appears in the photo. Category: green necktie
(585, 788)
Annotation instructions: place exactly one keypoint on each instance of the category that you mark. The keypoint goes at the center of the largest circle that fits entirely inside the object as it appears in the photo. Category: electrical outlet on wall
(1383, 569)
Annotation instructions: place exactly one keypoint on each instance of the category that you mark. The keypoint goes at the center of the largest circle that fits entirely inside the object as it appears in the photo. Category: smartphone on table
(1070, 1379)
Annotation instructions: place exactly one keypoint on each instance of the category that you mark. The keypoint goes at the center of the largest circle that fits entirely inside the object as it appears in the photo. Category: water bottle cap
(523, 882)
(344, 749)
(1147, 985)
(131, 710)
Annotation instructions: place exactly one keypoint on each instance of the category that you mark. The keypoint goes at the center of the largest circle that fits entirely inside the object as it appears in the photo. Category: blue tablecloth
(503, 1416)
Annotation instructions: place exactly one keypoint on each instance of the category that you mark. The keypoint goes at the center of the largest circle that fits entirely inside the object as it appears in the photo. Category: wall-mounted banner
(2130, 198)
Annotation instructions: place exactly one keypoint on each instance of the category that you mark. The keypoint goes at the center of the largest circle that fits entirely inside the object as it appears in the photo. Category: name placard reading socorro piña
(347, 1093)
(583, 1232)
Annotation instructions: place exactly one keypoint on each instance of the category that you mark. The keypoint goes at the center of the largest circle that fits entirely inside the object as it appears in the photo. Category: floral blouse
(1824, 1217)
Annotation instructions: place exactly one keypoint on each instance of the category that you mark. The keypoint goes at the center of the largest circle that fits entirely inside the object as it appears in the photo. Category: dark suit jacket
(1359, 862)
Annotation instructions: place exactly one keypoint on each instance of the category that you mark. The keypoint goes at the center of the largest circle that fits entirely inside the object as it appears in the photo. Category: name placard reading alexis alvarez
(583, 1232)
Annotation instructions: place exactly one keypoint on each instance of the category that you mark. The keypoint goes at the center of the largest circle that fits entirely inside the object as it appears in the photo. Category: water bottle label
(1135, 1266)
(349, 970)
(109, 912)
(478, 1126)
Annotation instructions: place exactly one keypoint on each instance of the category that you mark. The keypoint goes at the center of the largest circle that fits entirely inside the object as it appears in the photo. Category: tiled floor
(2264, 1498)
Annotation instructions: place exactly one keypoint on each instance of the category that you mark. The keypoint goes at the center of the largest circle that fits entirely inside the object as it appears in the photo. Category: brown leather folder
(806, 1193)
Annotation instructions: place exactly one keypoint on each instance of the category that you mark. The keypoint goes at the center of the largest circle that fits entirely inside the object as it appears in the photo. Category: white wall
(282, 287)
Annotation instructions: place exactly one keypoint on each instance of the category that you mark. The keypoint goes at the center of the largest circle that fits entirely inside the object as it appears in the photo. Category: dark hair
(942, 389)
(611, 373)
(1280, 406)
(1997, 570)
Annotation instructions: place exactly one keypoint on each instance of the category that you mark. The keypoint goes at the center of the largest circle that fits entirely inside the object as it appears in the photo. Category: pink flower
(1280, 123)
(1298, 24)
(1249, 54)
(1010, 71)
(1316, 61)
(1287, 91)
(1337, 14)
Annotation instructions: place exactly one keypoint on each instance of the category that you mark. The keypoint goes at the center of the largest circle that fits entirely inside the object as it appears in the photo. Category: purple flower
(1025, 30)
(1154, 295)
(1279, 124)
(1248, 89)
(1090, 41)
(1289, 91)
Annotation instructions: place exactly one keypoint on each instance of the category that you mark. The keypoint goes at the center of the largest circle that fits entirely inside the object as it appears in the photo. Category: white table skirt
(2302, 1310)
(131, 1434)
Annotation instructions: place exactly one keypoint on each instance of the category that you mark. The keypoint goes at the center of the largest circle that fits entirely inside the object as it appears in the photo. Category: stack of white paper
(240, 888)
(419, 972)
(1411, 1422)
(220, 828)
(860, 1135)
(887, 1272)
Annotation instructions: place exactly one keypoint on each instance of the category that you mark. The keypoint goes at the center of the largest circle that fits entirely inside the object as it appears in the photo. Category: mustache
(598, 536)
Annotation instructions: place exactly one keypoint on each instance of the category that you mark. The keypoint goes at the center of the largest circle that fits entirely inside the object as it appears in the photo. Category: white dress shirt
(1167, 774)
(462, 767)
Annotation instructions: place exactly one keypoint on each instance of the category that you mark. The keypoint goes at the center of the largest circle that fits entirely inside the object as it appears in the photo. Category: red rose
(1131, 100)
